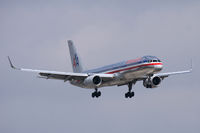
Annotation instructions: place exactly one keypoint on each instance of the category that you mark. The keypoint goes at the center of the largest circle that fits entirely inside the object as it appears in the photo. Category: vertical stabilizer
(76, 63)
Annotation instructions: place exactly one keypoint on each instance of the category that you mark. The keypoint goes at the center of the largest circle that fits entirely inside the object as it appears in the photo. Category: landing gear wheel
(132, 94)
(149, 86)
(96, 94)
(126, 95)
(129, 94)
(93, 95)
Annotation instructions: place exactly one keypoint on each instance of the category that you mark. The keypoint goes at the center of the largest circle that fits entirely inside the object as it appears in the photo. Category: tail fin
(76, 62)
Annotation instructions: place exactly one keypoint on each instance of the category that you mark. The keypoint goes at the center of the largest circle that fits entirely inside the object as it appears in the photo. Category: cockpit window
(155, 60)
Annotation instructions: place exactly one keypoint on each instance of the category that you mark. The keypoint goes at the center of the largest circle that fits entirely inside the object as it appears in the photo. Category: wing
(164, 75)
(60, 75)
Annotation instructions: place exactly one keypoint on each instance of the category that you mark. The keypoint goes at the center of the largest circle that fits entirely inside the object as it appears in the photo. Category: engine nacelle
(93, 81)
(153, 82)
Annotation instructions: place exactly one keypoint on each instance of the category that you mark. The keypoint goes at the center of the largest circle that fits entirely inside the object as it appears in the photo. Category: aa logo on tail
(75, 61)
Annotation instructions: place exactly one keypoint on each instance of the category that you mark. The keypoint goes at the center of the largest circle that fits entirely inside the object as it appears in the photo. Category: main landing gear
(96, 93)
(130, 93)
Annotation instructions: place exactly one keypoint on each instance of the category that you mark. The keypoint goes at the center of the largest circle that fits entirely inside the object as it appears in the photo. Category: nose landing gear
(130, 93)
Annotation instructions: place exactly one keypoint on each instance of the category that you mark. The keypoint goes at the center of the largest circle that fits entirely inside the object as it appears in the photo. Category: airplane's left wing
(164, 75)
(59, 75)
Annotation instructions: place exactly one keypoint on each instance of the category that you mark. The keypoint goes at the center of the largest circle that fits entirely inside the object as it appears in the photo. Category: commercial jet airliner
(143, 69)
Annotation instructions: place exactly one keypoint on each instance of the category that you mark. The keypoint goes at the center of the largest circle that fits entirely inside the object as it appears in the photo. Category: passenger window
(154, 60)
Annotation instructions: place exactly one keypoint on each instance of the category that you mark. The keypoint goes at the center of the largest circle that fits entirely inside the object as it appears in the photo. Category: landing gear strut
(130, 93)
(96, 93)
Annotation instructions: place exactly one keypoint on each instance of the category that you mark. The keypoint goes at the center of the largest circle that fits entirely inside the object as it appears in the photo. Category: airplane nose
(159, 67)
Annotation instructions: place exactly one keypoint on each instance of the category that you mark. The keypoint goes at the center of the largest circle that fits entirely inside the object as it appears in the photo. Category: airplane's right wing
(60, 75)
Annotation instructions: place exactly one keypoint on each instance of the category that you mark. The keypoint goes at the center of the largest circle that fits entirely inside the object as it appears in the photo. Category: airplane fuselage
(126, 71)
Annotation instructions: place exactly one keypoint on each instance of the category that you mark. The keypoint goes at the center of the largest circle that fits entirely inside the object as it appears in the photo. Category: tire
(98, 93)
(126, 95)
(93, 95)
(132, 94)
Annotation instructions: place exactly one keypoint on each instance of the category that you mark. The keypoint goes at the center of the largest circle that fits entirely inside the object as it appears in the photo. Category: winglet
(11, 65)
(191, 66)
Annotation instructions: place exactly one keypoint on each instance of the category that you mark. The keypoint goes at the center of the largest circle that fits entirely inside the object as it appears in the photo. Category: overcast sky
(34, 34)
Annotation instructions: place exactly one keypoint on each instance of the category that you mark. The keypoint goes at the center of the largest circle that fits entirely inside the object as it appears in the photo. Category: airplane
(145, 69)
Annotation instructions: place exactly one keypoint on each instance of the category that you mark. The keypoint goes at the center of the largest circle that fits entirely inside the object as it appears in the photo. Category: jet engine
(93, 81)
(152, 82)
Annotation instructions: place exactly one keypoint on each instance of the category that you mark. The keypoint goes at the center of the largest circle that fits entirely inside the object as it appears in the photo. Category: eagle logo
(75, 61)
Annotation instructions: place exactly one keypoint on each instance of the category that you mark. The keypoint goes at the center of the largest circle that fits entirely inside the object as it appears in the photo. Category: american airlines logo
(75, 61)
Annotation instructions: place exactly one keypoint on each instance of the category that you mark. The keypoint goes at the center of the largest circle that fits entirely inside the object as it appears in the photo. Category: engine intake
(152, 82)
(93, 81)
(96, 80)
(156, 81)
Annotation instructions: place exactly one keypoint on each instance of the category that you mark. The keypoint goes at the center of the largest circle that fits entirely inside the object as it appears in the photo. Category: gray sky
(34, 34)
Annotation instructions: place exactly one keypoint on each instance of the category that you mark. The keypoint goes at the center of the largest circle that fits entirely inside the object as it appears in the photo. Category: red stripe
(134, 67)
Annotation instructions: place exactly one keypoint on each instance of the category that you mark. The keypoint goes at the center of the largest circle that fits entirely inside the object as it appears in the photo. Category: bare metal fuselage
(123, 77)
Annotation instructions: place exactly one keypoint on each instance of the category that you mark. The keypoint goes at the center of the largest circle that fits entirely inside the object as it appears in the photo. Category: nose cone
(158, 67)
